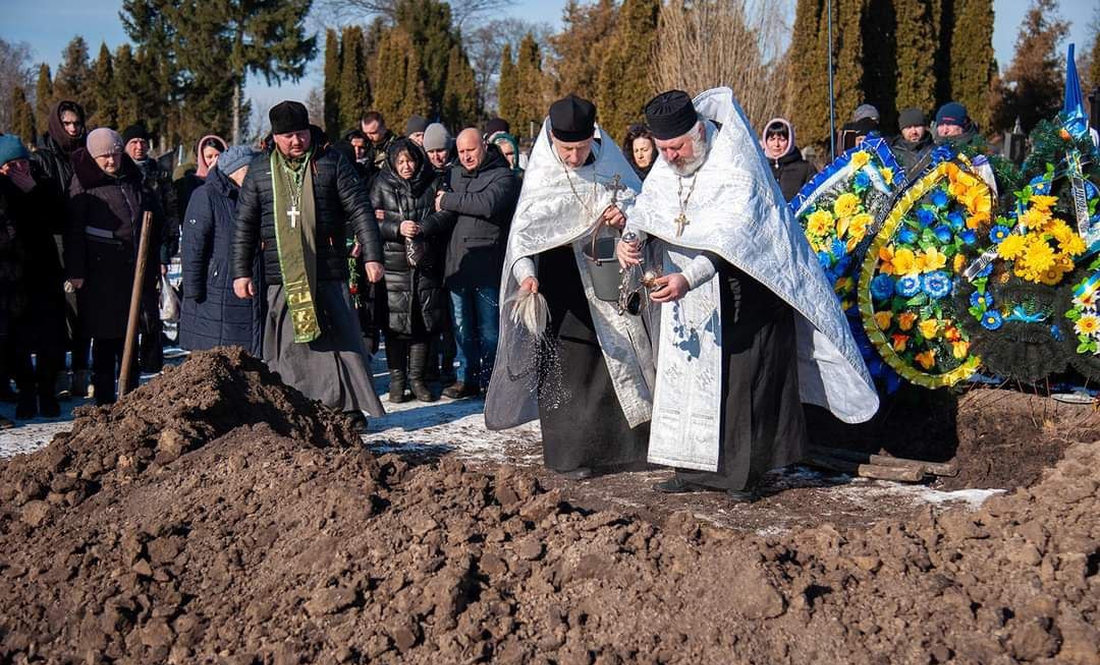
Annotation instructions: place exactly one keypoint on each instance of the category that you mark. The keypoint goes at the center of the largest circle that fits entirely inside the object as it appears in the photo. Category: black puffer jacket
(414, 199)
(340, 201)
(791, 171)
(485, 200)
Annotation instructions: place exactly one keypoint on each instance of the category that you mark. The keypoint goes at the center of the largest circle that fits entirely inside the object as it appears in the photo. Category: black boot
(26, 406)
(418, 359)
(104, 387)
(397, 386)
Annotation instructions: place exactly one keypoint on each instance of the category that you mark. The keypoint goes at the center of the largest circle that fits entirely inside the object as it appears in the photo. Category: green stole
(296, 241)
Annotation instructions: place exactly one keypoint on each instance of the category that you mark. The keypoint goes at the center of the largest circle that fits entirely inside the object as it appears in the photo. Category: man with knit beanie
(107, 201)
(954, 126)
(36, 309)
(301, 198)
(914, 142)
(414, 129)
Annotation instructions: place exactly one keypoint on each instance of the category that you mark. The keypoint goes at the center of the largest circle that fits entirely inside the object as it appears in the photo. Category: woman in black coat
(212, 314)
(413, 235)
(791, 171)
(106, 203)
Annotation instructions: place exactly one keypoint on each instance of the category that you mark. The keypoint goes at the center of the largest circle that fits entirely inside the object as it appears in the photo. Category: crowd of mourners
(410, 234)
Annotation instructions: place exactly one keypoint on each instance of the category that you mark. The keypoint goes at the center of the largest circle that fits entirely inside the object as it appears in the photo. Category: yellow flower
(859, 224)
(847, 204)
(976, 199)
(977, 219)
(860, 159)
(927, 359)
(960, 349)
(1035, 218)
(819, 223)
(1072, 245)
(1053, 276)
(900, 342)
(950, 332)
(886, 255)
(844, 284)
(1088, 324)
(883, 319)
(905, 262)
(887, 174)
(1012, 246)
(959, 262)
(842, 226)
(1037, 258)
(906, 319)
(957, 189)
(966, 178)
(933, 259)
(1043, 202)
(929, 328)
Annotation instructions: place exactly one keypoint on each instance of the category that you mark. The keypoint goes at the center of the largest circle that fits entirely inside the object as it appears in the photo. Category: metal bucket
(603, 267)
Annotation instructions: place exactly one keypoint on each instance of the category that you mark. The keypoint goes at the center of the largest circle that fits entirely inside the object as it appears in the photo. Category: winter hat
(670, 114)
(497, 125)
(11, 149)
(104, 141)
(952, 113)
(865, 111)
(436, 137)
(135, 131)
(911, 118)
(236, 157)
(288, 116)
(416, 125)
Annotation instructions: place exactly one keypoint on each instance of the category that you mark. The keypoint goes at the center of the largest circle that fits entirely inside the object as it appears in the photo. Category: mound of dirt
(264, 546)
(1000, 438)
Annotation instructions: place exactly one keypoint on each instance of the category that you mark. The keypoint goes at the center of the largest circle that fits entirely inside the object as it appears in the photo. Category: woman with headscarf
(206, 157)
(509, 147)
(212, 315)
(640, 149)
(791, 171)
(106, 204)
(412, 235)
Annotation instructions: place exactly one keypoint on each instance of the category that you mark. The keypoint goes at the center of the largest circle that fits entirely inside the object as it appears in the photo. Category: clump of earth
(217, 516)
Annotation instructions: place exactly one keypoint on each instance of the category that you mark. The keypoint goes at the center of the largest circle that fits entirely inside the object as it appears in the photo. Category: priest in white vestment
(749, 327)
(588, 378)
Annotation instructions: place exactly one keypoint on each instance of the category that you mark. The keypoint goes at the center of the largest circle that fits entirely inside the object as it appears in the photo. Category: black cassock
(582, 422)
(763, 427)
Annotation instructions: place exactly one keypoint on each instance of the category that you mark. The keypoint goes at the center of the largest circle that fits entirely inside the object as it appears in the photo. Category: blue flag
(1074, 117)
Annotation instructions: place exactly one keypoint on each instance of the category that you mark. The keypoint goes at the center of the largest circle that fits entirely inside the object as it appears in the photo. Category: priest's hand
(614, 217)
(375, 272)
(628, 253)
(409, 228)
(530, 284)
(75, 283)
(243, 288)
(670, 288)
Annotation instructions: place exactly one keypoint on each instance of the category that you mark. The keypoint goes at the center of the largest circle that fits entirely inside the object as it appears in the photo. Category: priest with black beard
(749, 326)
(588, 376)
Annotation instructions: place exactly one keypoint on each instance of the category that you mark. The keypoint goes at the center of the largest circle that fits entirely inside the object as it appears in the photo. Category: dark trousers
(106, 362)
(36, 373)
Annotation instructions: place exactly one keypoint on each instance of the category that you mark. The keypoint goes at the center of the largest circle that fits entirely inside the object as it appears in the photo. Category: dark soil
(269, 536)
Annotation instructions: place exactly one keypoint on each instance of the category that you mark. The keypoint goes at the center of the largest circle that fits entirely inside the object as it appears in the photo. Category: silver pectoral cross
(293, 214)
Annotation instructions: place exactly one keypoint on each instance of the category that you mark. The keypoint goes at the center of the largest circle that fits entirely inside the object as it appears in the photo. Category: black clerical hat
(670, 114)
(288, 117)
(572, 119)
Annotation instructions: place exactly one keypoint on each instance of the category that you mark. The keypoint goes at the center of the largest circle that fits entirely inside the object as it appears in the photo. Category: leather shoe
(748, 495)
(676, 485)
(579, 473)
(458, 390)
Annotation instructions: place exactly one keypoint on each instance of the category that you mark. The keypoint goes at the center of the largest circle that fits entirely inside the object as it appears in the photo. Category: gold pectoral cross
(681, 221)
(293, 214)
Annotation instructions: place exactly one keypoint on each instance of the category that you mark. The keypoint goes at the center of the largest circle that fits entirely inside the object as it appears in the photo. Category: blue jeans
(477, 325)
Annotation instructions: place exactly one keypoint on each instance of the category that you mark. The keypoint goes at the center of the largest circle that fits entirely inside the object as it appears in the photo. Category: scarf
(202, 168)
(296, 241)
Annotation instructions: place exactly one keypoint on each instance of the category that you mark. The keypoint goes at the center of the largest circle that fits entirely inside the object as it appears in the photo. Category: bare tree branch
(484, 46)
(16, 70)
(463, 12)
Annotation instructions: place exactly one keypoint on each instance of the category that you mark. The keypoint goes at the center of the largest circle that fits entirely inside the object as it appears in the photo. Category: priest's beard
(698, 155)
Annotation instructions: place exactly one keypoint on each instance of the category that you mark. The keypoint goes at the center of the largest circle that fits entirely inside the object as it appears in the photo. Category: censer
(635, 283)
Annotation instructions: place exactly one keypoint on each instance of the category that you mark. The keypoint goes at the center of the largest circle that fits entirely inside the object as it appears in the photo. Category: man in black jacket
(484, 192)
(914, 142)
(300, 198)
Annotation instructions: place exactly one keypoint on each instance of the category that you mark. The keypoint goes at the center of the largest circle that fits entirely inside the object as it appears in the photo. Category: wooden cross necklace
(682, 220)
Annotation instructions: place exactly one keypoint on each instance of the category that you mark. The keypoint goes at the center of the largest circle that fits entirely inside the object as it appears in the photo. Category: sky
(47, 25)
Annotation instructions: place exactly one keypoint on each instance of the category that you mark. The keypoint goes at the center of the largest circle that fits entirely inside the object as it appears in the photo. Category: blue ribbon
(1019, 314)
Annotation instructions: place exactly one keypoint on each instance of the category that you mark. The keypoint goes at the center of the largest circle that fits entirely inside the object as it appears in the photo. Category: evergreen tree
(575, 60)
(331, 96)
(508, 88)
(355, 90)
(808, 96)
(398, 91)
(73, 73)
(43, 97)
(624, 86)
(1033, 83)
(916, 55)
(973, 65)
(943, 27)
(428, 25)
(531, 103)
(881, 32)
(1093, 67)
(102, 106)
(460, 101)
(22, 115)
(128, 98)
(847, 58)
